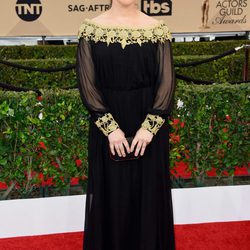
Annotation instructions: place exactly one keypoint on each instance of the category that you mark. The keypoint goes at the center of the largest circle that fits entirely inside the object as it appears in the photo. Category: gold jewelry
(152, 123)
(106, 123)
(90, 30)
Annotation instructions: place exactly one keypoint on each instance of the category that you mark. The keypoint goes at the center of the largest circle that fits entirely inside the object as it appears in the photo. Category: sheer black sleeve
(165, 88)
(91, 96)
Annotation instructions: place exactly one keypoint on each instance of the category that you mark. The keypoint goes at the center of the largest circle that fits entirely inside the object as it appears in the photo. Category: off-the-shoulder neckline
(148, 27)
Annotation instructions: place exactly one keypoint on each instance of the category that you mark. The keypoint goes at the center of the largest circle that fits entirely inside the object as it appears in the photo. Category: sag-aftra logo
(157, 7)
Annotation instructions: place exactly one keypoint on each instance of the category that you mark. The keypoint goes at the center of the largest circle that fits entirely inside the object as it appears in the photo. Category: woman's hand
(117, 141)
(142, 137)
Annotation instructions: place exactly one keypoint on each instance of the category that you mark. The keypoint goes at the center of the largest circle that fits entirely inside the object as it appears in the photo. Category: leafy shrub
(41, 139)
(229, 68)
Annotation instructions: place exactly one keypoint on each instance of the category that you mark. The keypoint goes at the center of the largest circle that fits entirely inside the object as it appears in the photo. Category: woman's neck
(123, 12)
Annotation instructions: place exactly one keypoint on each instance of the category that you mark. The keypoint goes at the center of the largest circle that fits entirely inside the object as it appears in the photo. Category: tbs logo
(157, 7)
(29, 10)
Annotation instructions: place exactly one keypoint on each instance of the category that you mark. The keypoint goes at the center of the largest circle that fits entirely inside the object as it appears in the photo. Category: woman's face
(125, 2)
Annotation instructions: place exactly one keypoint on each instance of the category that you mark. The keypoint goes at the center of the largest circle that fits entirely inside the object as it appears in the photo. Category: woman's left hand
(142, 138)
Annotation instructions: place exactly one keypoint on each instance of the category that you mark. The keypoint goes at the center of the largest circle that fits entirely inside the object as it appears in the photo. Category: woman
(126, 80)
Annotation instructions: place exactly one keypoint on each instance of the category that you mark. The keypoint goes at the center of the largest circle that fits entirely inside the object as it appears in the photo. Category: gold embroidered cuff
(106, 123)
(153, 123)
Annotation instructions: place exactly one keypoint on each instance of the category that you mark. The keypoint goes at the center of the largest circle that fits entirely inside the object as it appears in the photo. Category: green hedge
(226, 69)
(209, 129)
(32, 79)
(37, 52)
(229, 68)
(61, 51)
(206, 48)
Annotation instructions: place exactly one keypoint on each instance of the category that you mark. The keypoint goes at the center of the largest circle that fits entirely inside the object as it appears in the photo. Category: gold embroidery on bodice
(125, 35)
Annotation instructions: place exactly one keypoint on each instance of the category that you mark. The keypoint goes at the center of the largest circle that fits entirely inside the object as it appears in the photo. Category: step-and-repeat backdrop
(63, 17)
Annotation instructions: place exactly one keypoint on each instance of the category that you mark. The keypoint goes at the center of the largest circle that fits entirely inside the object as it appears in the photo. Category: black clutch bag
(129, 156)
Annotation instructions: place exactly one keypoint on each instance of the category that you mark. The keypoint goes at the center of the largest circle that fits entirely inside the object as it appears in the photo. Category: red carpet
(209, 236)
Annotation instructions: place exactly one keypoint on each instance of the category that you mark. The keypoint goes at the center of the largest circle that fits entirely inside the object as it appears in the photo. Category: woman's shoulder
(99, 30)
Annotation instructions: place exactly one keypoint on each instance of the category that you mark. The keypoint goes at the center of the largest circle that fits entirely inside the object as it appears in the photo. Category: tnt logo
(157, 7)
(29, 10)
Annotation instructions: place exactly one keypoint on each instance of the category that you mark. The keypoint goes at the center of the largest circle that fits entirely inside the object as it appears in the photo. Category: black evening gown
(128, 203)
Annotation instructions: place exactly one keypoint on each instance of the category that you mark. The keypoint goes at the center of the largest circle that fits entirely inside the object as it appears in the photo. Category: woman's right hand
(117, 141)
